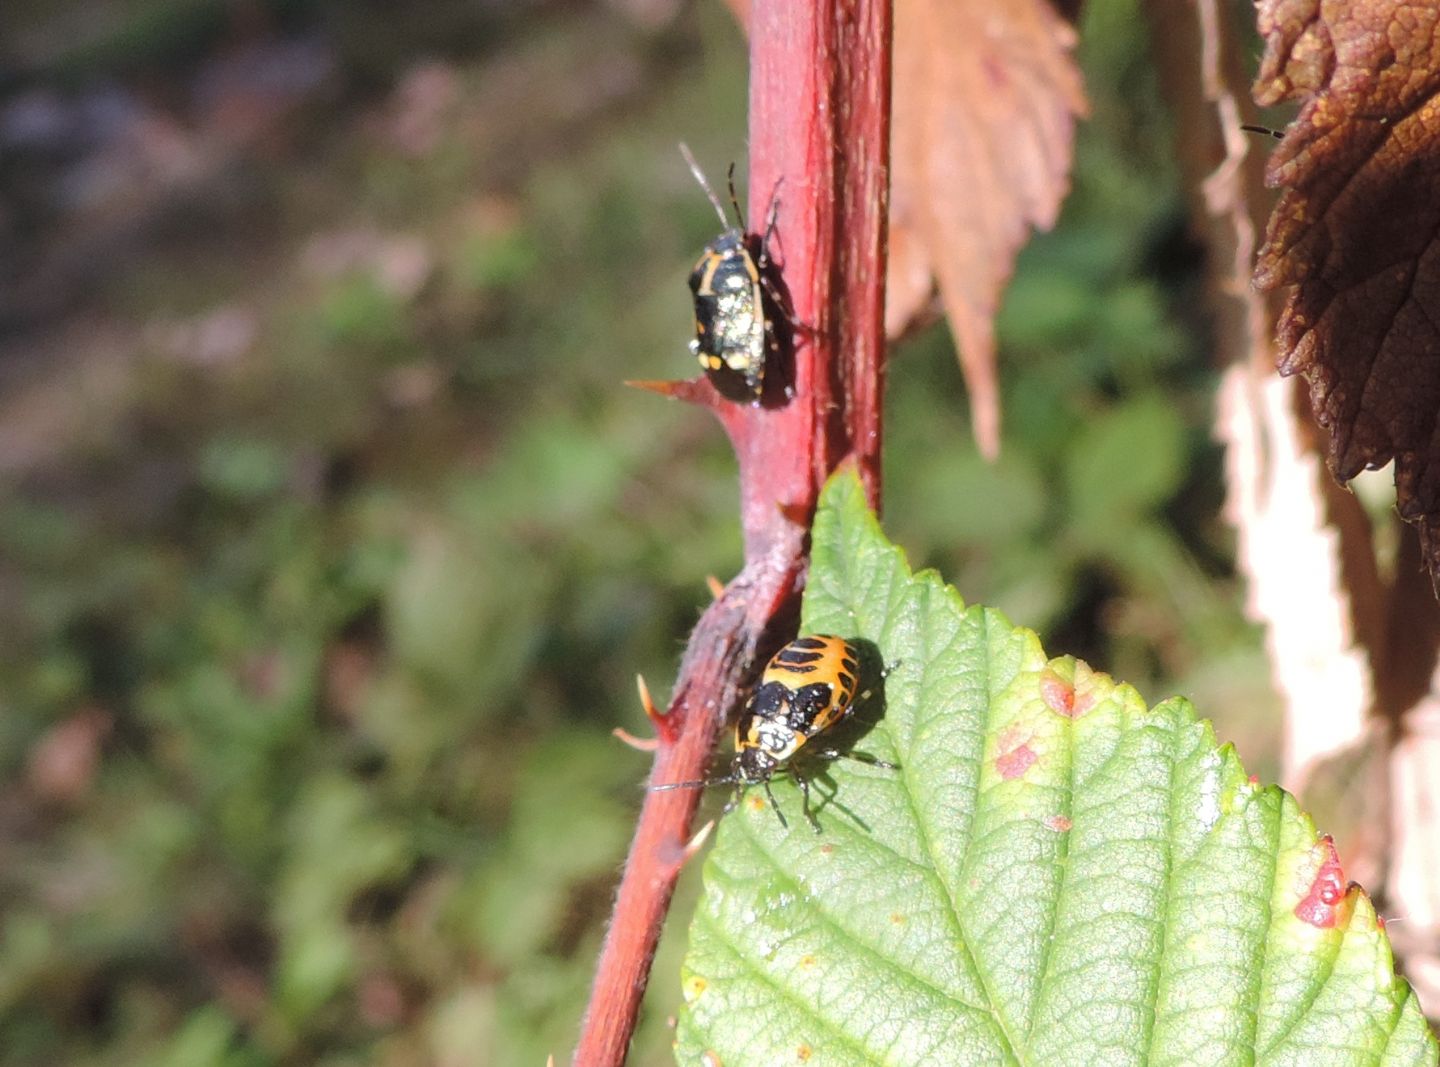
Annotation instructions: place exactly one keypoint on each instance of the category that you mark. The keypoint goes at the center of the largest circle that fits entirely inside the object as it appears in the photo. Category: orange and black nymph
(807, 688)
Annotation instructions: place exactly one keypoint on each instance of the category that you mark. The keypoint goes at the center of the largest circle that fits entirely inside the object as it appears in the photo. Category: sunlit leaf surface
(1056, 874)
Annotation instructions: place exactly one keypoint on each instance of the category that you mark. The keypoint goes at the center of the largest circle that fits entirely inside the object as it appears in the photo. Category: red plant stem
(819, 134)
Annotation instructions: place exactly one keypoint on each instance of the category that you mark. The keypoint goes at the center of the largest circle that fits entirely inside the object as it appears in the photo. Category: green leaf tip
(1054, 875)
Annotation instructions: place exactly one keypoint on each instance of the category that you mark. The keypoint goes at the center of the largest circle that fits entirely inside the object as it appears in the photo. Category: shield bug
(736, 337)
(807, 688)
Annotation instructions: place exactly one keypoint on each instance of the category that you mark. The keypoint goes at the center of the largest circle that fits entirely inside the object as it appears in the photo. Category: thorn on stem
(674, 855)
(663, 386)
(646, 702)
(654, 714)
(715, 585)
(696, 843)
(640, 744)
(665, 727)
(799, 514)
(694, 390)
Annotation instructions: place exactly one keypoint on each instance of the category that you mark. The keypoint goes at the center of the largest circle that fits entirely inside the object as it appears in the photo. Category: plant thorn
(696, 843)
(651, 711)
(640, 744)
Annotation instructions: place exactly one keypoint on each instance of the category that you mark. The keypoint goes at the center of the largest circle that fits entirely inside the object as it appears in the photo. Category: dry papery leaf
(984, 107)
(1288, 551)
(1357, 232)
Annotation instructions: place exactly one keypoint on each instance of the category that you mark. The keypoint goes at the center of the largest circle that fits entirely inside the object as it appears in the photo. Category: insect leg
(734, 799)
(891, 669)
(778, 813)
(781, 306)
(805, 804)
(770, 220)
(858, 757)
(878, 682)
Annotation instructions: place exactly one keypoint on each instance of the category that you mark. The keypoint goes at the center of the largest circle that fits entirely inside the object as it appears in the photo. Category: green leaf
(243, 469)
(1055, 875)
(1127, 462)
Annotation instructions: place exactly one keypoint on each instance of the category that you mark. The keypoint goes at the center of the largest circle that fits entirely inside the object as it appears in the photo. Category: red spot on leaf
(1016, 762)
(1058, 823)
(1321, 904)
(1058, 693)
(1254, 779)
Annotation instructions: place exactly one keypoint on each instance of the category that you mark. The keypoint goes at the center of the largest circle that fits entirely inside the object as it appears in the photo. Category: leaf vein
(1169, 902)
(835, 925)
(927, 843)
(804, 1007)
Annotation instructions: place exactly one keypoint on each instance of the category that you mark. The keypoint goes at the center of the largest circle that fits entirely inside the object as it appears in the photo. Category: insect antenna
(698, 783)
(709, 192)
(734, 200)
(1249, 128)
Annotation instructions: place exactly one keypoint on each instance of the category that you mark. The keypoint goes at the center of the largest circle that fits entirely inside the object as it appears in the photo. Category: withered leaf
(1357, 232)
(984, 105)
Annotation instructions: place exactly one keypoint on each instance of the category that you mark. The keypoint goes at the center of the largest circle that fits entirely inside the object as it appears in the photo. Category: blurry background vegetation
(330, 543)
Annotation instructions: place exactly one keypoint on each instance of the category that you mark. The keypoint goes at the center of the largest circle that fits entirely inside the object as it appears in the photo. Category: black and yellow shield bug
(807, 688)
(736, 338)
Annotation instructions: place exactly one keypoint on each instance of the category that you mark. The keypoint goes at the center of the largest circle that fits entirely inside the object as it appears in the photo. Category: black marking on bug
(741, 335)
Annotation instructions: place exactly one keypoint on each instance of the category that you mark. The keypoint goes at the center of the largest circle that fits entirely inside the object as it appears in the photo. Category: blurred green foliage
(309, 656)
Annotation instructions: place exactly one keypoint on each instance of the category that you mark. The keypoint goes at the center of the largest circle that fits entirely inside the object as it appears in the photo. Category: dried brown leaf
(1357, 232)
(985, 101)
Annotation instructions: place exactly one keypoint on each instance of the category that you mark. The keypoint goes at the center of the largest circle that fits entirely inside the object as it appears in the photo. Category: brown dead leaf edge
(985, 101)
(1357, 233)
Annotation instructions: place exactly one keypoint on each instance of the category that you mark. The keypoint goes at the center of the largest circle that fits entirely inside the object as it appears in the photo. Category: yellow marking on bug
(707, 276)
